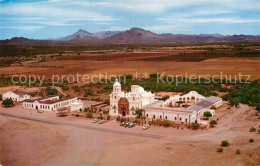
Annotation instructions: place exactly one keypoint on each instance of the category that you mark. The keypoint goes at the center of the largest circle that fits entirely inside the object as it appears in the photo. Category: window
(186, 120)
(146, 115)
(166, 117)
(154, 116)
(180, 119)
(160, 116)
(175, 118)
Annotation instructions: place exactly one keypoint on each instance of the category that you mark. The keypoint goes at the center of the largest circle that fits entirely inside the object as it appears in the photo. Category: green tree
(258, 107)
(51, 91)
(166, 97)
(234, 101)
(8, 102)
(139, 112)
(213, 123)
(207, 114)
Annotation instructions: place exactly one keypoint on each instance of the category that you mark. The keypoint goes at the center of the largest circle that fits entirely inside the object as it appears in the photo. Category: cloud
(51, 10)
(209, 20)
(168, 28)
(27, 28)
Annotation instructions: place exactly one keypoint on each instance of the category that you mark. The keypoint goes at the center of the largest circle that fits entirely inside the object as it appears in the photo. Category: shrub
(251, 140)
(143, 117)
(65, 88)
(89, 115)
(220, 150)
(207, 114)
(195, 126)
(105, 112)
(213, 107)
(238, 151)
(225, 143)
(252, 129)
(214, 94)
(213, 122)
(166, 123)
(8, 102)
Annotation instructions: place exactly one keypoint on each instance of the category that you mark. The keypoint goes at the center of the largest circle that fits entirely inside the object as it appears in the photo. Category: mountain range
(135, 35)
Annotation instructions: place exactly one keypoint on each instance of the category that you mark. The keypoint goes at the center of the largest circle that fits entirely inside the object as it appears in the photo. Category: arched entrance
(123, 106)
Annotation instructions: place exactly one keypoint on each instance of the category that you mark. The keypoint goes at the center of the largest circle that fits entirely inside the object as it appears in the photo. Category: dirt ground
(77, 141)
(226, 66)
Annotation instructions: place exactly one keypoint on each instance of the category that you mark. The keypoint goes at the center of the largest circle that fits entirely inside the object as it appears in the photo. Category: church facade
(125, 104)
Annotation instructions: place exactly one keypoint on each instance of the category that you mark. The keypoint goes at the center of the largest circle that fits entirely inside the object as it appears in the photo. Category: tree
(258, 107)
(234, 101)
(139, 112)
(207, 114)
(213, 123)
(8, 102)
(1, 97)
(166, 97)
(51, 91)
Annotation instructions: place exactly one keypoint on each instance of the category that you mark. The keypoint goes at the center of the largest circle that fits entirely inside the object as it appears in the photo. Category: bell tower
(117, 87)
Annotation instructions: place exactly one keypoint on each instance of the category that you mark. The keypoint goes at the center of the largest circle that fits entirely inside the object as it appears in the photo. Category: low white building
(50, 103)
(193, 113)
(17, 96)
(77, 106)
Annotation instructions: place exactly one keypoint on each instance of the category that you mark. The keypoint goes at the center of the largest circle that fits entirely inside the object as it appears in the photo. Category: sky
(45, 19)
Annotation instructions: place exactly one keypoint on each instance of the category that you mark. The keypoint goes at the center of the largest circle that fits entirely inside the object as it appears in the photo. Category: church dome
(117, 83)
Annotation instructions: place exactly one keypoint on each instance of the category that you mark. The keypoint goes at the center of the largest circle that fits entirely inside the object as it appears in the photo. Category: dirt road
(109, 144)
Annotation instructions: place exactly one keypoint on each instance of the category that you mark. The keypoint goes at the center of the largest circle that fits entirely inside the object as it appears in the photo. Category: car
(122, 123)
(126, 124)
(40, 111)
(131, 125)
(95, 121)
(146, 127)
(102, 121)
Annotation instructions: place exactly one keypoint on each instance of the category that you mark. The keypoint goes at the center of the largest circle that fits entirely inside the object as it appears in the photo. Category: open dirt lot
(77, 141)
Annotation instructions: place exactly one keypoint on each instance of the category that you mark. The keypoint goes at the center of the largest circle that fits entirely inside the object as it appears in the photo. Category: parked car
(40, 111)
(102, 121)
(146, 127)
(126, 124)
(122, 123)
(95, 121)
(131, 125)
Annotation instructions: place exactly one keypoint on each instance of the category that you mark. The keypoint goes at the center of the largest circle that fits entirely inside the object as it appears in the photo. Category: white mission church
(184, 108)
